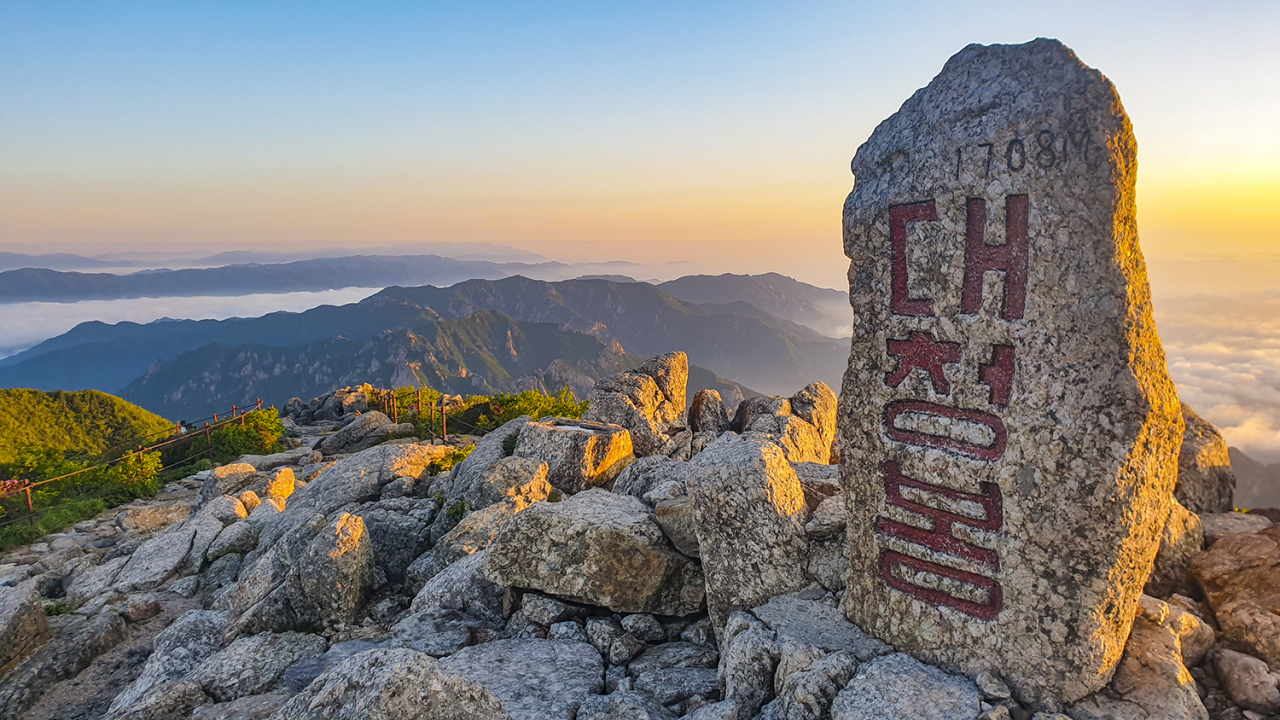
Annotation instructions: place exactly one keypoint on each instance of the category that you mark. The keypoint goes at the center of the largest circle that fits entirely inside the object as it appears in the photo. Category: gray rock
(254, 707)
(675, 517)
(828, 520)
(725, 710)
(807, 694)
(253, 665)
(440, 632)
(632, 401)
(61, 658)
(645, 627)
(94, 581)
(475, 533)
(335, 573)
(1219, 525)
(707, 413)
(300, 674)
(1182, 540)
(146, 517)
(174, 700)
(1039, 401)
(547, 611)
(598, 548)
(398, 529)
(1248, 681)
(238, 537)
(899, 686)
(223, 480)
(180, 648)
(673, 685)
(647, 473)
(749, 513)
(462, 586)
(1151, 679)
(747, 664)
(1206, 482)
(567, 630)
(674, 655)
(539, 678)
(602, 632)
(513, 482)
(23, 626)
(625, 647)
(396, 684)
(829, 562)
(578, 453)
(357, 436)
(156, 559)
(624, 705)
(815, 623)
(670, 372)
(264, 463)
(799, 437)
(488, 451)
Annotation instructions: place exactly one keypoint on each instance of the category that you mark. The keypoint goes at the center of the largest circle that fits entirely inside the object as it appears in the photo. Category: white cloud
(25, 324)
(1224, 354)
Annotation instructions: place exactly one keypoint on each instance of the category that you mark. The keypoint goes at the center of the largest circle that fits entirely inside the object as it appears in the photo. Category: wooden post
(31, 510)
(444, 418)
(259, 403)
(208, 441)
(395, 408)
(419, 404)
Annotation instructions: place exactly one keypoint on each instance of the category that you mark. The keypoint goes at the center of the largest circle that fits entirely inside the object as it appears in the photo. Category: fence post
(259, 403)
(208, 441)
(31, 510)
(444, 418)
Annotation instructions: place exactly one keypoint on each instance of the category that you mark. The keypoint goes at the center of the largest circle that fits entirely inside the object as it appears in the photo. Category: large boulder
(1240, 576)
(359, 435)
(598, 548)
(178, 649)
(490, 449)
(1152, 678)
(749, 513)
(514, 482)
(23, 626)
(462, 586)
(707, 413)
(399, 530)
(254, 664)
(62, 658)
(580, 454)
(538, 678)
(1206, 482)
(399, 684)
(899, 686)
(804, 425)
(652, 473)
(649, 402)
(224, 480)
(1009, 432)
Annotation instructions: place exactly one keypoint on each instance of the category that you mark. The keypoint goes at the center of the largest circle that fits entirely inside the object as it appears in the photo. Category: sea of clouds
(1224, 354)
(1223, 350)
(23, 325)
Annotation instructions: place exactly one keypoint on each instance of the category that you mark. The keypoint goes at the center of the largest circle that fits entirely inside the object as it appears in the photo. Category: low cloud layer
(25, 324)
(1224, 355)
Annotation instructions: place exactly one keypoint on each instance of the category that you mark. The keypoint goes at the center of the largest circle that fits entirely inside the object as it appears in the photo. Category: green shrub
(458, 510)
(509, 444)
(258, 434)
(452, 458)
(53, 608)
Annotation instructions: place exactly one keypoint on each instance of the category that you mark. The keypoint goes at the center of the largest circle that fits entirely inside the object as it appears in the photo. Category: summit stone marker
(1008, 431)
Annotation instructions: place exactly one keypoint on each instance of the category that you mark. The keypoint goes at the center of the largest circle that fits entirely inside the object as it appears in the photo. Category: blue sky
(589, 125)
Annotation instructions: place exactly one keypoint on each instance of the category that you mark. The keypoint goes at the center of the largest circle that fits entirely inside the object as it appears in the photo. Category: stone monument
(1008, 431)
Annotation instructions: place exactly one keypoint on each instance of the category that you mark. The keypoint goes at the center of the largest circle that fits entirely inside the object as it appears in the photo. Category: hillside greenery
(83, 425)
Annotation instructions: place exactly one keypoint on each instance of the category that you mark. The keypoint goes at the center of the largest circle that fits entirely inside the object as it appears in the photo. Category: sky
(717, 133)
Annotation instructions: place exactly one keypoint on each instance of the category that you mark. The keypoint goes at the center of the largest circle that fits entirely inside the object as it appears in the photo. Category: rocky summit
(1004, 514)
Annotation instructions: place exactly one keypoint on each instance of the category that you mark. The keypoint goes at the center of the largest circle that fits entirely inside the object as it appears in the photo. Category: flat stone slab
(813, 622)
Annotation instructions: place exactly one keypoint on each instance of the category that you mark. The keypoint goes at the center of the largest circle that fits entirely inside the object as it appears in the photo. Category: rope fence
(181, 432)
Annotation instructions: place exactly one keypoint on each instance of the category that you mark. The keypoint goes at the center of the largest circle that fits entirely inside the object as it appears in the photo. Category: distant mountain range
(1257, 483)
(474, 336)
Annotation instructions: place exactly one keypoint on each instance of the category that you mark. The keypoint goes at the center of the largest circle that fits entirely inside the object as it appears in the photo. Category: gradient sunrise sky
(716, 130)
